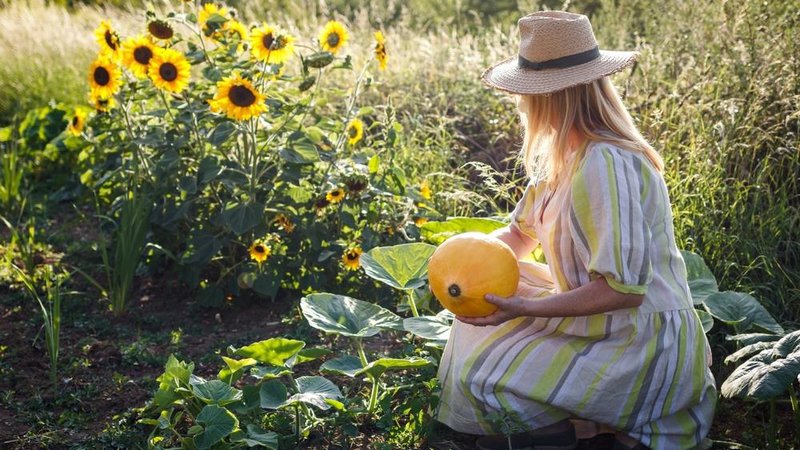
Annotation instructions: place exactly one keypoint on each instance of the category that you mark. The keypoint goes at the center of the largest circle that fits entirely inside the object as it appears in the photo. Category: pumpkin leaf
(347, 365)
(216, 423)
(307, 355)
(274, 351)
(378, 367)
(763, 377)
(269, 372)
(752, 338)
(747, 350)
(347, 316)
(273, 394)
(435, 328)
(216, 392)
(438, 232)
(401, 266)
(742, 310)
(314, 390)
(702, 282)
(706, 319)
(257, 437)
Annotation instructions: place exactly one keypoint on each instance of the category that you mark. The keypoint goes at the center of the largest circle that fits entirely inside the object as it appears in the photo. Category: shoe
(563, 440)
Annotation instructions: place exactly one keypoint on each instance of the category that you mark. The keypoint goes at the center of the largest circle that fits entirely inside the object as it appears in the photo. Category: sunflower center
(142, 55)
(260, 249)
(353, 132)
(279, 43)
(241, 96)
(168, 71)
(352, 256)
(110, 40)
(267, 40)
(75, 121)
(101, 76)
(333, 39)
(160, 30)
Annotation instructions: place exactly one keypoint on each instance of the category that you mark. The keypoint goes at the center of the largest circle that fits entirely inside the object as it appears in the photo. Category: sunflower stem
(166, 104)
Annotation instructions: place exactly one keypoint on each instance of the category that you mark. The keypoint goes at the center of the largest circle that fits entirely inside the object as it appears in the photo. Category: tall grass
(715, 90)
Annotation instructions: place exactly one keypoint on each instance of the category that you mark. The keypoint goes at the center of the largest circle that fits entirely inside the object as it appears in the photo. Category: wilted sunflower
(321, 203)
(356, 183)
(209, 10)
(77, 123)
(102, 103)
(107, 39)
(380, 49)
(285, 223)
(425, 190)
(352, 258)
(160, 29)
(335, 196)
(237, 98)
(136, 55)
(104, 76)
(259, 251)
(169, 70)
(355, 131)
(333, 36)
(267, 45)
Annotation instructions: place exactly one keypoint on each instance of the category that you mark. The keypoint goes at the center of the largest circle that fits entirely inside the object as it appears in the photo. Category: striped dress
(642, 370)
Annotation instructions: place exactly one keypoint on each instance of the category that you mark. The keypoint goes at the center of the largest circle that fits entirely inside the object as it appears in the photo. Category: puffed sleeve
(521, 217)
(607, 221)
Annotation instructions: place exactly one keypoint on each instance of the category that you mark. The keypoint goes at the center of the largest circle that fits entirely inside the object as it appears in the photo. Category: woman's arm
(593, 298)
(521, 243)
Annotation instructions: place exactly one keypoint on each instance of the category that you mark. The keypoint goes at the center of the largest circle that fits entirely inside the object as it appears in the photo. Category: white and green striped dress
(642, 370)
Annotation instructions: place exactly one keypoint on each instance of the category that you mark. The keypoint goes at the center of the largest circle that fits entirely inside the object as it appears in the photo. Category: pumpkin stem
(454, 290)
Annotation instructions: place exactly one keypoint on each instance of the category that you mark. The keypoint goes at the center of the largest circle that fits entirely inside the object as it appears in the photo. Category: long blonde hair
(595, 110)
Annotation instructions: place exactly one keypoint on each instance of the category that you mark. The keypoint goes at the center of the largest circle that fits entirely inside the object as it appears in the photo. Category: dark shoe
(601, 441)
(565, 440)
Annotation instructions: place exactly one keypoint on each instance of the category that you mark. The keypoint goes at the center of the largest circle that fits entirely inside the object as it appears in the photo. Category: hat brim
(508, 76)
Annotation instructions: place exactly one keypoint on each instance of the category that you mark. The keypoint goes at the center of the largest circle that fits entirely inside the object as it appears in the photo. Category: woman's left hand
(508, 308)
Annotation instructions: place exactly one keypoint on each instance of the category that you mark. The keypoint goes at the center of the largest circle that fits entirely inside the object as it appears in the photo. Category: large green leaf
(274, 351)
(217, 423)
(242, 217)
(438, 232)
(347, 365)
(401, 266)
(378, 367)
(201, 247)
(763, 376)
(752, 338)
(216, 392)
(314, 391)
(307, 355)
(273, 394)
(706, 319)
(741, 310)
(435, 328)
(268, 372)
(702, 282)
(256, 437)
(347, 316)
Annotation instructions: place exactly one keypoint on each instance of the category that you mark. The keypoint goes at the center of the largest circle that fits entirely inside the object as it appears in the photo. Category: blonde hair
(597, 113)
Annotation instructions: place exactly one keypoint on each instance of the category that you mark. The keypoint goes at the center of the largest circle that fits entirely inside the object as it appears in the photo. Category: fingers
(494, 299)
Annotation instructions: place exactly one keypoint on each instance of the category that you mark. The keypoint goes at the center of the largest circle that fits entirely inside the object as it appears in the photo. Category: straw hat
(557, 50)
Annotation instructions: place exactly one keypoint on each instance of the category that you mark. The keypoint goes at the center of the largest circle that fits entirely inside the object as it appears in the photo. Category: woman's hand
(508, 308)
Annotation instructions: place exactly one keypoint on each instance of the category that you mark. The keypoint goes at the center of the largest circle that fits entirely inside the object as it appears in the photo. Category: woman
(605, 334)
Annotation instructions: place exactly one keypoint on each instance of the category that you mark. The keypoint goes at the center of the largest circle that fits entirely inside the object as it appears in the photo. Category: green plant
(23, 242)
(12, 171)
(50, 309)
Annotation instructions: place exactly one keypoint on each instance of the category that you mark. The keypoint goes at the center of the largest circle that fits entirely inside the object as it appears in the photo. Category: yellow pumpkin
(466, 267)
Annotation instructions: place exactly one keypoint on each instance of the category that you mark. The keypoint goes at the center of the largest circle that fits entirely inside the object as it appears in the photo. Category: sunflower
(267, 45)
(425, 190)
(234, 27)
(102, 103)
(333, 36)
(335, 196)
(169, 70)
(104, 76)
(285, 223)
(420, 221)
(352, 258)
(107, 39)
(209, 10)
(136, 55)
(237, 98)
(355, 131)
(380, 49)
(77, 123)
(259, 251)
(160, 29)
